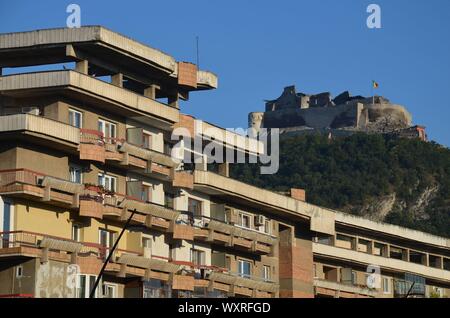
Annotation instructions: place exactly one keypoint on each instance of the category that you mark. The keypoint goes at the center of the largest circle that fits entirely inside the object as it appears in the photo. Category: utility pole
(410, 289)
(99, 277)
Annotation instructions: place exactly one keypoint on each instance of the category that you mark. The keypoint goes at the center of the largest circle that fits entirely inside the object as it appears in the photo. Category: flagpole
(371, 91)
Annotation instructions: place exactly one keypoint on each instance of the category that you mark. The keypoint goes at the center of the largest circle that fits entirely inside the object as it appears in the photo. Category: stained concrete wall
(12, 285)
(48, 162)
(52, 280)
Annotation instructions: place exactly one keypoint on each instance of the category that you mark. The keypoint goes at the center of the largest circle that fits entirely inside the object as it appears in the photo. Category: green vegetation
(352, 173)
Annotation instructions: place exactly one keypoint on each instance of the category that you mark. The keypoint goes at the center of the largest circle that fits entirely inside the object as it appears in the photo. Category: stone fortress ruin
(301, 113)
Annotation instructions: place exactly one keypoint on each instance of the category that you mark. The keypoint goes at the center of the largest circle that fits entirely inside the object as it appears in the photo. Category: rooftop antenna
(198, 58)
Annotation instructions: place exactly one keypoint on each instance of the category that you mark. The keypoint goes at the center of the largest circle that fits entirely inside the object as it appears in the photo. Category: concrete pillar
(371, 247)
(224, 169)
(82, 67)
(405, 255)
(117, 79)
(425, 259)
(441, 262)
(201, 164)
(355, 242)
(150, 91)
(173, 101)
(387, 251)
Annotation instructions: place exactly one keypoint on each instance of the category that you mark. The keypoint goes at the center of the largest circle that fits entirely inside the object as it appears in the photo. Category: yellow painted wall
(50, 220)
(41, 218)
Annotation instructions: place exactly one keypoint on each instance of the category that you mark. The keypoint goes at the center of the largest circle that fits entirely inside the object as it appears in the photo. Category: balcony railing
(89, 199)
(226, 233)
(15, 181)
(14, 239)
(18, 176)
(90, 136)
(348, 288)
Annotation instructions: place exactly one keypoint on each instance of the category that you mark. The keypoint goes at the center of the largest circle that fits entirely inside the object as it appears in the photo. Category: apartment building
(86, 119)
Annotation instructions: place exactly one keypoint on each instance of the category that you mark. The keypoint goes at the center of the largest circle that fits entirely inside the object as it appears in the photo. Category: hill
(399, 181)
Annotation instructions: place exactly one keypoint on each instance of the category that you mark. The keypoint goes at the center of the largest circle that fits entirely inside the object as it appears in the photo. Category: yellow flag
(375, 84)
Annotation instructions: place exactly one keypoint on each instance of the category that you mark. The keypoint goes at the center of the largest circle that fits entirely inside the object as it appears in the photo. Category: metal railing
(12, 239)
(91, 136)
(21, 176)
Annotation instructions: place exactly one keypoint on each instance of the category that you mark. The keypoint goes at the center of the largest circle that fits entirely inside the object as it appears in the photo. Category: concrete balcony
(220, 186)
(48, 129)
(120, 207)
(39, 187)
(94, 147)
(130, 264)
(183, 179)
(98, 45)
(91, 90)
(151, 156)
(89, 256)
(46, 247)
(196, 276)
(340, 290)
(233, 236)
(90, 201)
(365, 259)
(245, 286)
(90, 144)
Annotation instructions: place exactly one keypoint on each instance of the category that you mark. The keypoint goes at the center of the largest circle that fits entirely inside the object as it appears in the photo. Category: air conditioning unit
(232, 215)
(39, 180)
(206, 273)
(259, 220)
(31, 110)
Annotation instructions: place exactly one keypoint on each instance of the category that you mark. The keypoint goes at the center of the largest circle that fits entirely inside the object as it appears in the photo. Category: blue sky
(258, 47)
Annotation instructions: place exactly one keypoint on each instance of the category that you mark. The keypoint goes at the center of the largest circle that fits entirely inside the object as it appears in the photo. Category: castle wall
(319, 117)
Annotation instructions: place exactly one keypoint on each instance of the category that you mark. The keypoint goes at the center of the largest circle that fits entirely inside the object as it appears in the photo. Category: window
(244, 268)
(169, 199)
(109, 290)
(108, 129)
(197, 257)
(147, 140)
(76, 232)
(172, 252)
(167, 148)
(245, 220)
(19, 271)
(7, 224)
(147, 246)
(436, 292)
(85, 285)
(386, 285)
(354, 278)
(76, 174)
(267, 273)
(267, 226)
(106, 240)
(146, 193)
(108, 182)
(195, 207)
(154, 288)
(75, 118)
